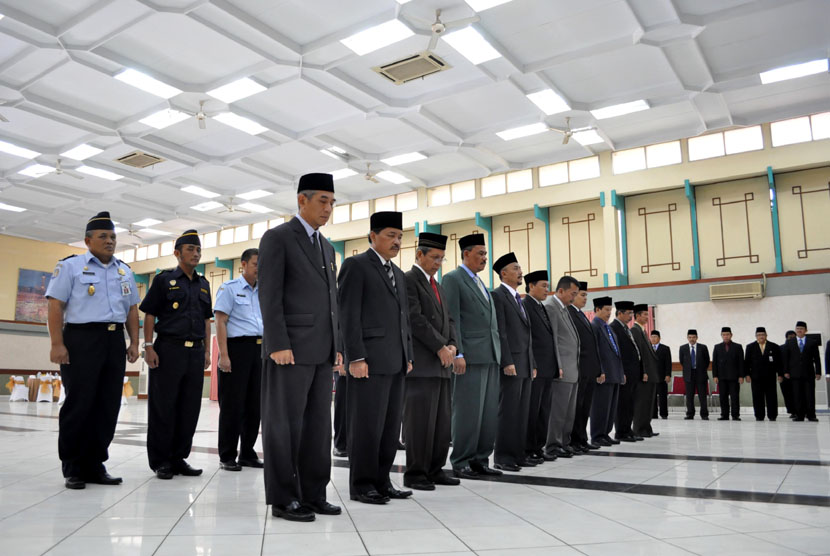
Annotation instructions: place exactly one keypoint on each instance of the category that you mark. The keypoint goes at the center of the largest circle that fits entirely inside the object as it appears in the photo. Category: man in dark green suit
(475, 399)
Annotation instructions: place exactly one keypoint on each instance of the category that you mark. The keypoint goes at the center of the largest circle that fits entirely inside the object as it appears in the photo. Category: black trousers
(604, 409)
(426, 426)
(765, 396)
(174, 400)
(661, 402)
(93, 381)
(514, 408)
(584, 399)
(296, 431)
(730, 392)
(239, 393)
(374, 407)
(625, 408)
(787, 392)
(541, 394)
(700, 386)
(643, 405)
(340, 421)
(804, 397)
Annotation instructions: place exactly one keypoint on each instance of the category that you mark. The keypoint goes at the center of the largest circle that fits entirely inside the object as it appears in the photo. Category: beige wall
(577, 242)
(455, 231)
(804, 218)
(524, 235)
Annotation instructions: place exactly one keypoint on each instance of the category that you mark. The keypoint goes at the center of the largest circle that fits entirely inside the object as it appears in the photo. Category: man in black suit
(786, 384)
(517, 366)
(728, 372)
(646, 389)
(300, 347)
(694, 359)
(544, 353)
(802, 364)
(630, 355)
(664, 370)
(612, 375)
(762, 364)
(426, 408)
(589, 371)
(375, 323)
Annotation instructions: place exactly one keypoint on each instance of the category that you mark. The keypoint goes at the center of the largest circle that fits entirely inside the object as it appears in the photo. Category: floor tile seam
(668, 541)
(753, 535)
(348, 513)
(736, 531)
(718, 459)
(27, 478)
(444, 525)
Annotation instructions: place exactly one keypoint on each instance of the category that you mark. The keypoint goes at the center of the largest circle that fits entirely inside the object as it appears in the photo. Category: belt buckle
(188, 344)
(111, 327)
(259, 341)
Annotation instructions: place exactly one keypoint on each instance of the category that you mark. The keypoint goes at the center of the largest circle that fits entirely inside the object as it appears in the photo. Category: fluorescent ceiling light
(523, 131)
(794, 71)
(154, 232)
(239, 89)
(392, 177)
(118, 230)
(98, 173)
(255, 194)
(240, 123)
(399, 2)
(470, 44)
(549, 102)
(209, 205)
(37, 170)
(588, 137)
(334, 152)
(4, 206)
(81, 152)
(147, 222)
(620, 109)
(377, 37)
(481, 5)
(8, 148)
(255, 207)
(200, 191)
(164, 118)
(148, 84)
(403, 159)
(343, 173)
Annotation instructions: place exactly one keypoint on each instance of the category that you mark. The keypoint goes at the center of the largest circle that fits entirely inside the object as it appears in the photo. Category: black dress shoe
(535, 459)
(184, 468)
(419, 484)
(104, 478)
(655, 433)
(394, 494)
(465, 473)
(688, 417)
(257, 463)
(736, 418)
(230, 466)
(562, 453)
(591, 446)
(704, 417)
(293, 512)
(550, 457)
(322, 507)
(340, 453)
(527, 463)
(813, 419)
(602, 442)
(371, 497)
(75, 483)
(444, 480)
(771, 419)
(613, 441)
(638, 438)
(625, 439)
(165, 472)
(507, 467)
(664, 416)
(723, 418)
(798, 419)
(485, 470)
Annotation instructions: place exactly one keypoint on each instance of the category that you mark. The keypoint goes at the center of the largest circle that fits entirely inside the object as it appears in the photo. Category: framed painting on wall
(31, 305)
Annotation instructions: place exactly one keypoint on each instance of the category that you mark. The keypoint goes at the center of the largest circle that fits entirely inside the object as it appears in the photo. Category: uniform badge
(121, 271)
(175, 304)
(332, 266)
(57, 271)
(90, 290)
(172, 282)
(86, 268)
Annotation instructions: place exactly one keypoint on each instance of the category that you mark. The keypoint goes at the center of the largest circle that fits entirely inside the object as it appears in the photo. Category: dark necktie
(694, 362)
(544, 313)
(521, 307)
(388, 266)
(318, 249)
(801, 344)
(727, 347)
(631, 337)
(611, 337)
(434, 285)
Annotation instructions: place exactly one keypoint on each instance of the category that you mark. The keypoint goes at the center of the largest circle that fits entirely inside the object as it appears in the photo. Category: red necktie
(435, 288)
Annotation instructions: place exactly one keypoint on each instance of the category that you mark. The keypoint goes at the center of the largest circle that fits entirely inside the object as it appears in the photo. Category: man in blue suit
(606, 394)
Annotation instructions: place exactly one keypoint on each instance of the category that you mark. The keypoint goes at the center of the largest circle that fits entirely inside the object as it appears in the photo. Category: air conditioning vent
(412, 67)
(138, 159)
(736, 290)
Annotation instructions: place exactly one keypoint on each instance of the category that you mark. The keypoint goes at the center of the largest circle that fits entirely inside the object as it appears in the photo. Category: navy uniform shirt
(93, 291)
(179, 304)
(237, 299)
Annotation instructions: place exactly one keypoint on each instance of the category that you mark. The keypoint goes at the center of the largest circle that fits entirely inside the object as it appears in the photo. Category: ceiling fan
(201, 115)
(439, 27)
(229, 207)
(370, 176)
(567, 132)
(3, 119)
(59, 171)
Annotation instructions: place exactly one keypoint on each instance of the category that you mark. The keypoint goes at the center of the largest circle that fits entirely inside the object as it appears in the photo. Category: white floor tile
(220, 545)
(313, 544)
(412, 542)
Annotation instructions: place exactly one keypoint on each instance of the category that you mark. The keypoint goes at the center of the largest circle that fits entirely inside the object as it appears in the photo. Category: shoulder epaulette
(69, 257)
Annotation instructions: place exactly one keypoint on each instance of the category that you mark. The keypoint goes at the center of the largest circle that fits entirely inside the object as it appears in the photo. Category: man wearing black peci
(728, 372)
(762, 365)
(589, 371)
(630, 355)
(694, 358)
(802, 364)
(664, 367)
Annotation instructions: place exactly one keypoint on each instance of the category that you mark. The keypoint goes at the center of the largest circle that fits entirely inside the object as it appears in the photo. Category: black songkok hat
(536, 276)
(760, 329)
(624, 305)
(583, 286)
(471, 240)
(190, 237)
(640, 307)
(600, 302)
(655, 333)
(503, 261)
(386, 219)
(691, 332)
(801, 323)
(100, 221)
(316, 182)
(725, 329)
(433, 241)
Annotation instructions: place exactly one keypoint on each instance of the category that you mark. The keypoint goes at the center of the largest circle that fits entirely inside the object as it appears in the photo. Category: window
(439, 196)
(493, 185)
(519, 181)
(340, 214)
(629, 160)
(209, 240)
(663, 154)
(553, 174)
(743, 140)
(706, 146)
(584, 168)
(385, 203)
(258, 230)
(360, 210)
(167, 248)
(463, 191)
(240, 234)
(226, 236)
(788, 132)
(274, 222)
(128, 256)
(153, 251)
(141, 254)
(821, 126)
(407, 201)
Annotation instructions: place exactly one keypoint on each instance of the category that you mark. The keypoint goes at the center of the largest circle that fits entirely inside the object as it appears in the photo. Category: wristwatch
(145, 345)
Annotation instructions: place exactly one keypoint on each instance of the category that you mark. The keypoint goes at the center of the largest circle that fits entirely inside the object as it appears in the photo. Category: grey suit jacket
(514, 333)
(566, 340)
(651, 363)
(432, 326)
(476, 324)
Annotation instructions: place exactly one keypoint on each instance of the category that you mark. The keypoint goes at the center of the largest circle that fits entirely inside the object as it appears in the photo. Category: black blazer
(647, 354)
(589, 366)
(514, 333)
(541, 334)
(701, 362)
(297, 296)
(760, 366)
(664, 361)
(610, 362)
(628, 352)
(728, 365)
(432, 326)
(374, 315)
(801, 364)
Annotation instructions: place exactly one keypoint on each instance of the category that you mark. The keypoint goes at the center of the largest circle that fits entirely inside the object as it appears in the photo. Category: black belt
(245, 340)
(106, 326)
(182, 342)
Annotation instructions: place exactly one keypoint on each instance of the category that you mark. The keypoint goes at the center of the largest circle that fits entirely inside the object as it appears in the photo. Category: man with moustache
(517, 366)
(647, 389)
(664, 367)
(728, 372)
(376, 332)
(762, 364)
(802, 364)
(589, 371)
(630, 355)
(612, 375)
(694, 358)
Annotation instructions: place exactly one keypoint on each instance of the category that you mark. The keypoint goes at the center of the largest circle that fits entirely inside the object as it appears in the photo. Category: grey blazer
(476, 324)
(566, 339)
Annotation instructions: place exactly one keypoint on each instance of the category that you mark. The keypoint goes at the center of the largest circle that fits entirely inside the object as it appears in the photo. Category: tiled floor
(692, 490)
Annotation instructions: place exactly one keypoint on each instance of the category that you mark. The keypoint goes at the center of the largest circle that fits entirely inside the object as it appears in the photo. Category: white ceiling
(696, 62)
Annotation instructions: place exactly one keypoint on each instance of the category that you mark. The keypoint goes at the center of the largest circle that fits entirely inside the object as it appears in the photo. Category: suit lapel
(471, 283)
(543, 315)
(308, 248)
(513, 303)
(422, 283)
(374, 260)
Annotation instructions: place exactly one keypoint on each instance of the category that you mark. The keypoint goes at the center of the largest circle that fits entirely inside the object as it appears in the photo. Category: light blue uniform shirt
(93, 291)
(237, 299)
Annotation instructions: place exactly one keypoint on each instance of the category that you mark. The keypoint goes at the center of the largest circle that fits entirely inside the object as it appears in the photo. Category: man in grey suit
(374, 317)
(647, 389)
(426, 408)
(476, 379)
(606, 395)
(300, 346)
(566, 340)
(517, 365)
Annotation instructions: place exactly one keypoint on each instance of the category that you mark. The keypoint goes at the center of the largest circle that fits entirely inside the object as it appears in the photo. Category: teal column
(690, 195)
(602, 205)
(417, 229)
(486, 224)
(618, 202)
(224, 263)
(776, 230)
(200, 268)
(543, 214)
(339, 247)
(143, 279)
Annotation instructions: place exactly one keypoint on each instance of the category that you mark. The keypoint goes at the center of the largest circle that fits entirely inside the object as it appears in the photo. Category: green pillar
(224, 263)
(776, 230)
(543, 214)
(486, 224)
(618, 202)
(690, 195)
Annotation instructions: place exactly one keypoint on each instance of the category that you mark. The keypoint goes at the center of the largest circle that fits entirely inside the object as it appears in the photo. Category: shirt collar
(89, 257)
(470, 272)
(244, 283)
(558, 301)
(382, 260)
(513, 293)
(657, 345)
(427, 276)
(309, 230)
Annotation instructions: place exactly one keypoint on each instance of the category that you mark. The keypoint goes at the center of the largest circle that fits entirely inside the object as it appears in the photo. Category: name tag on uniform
(770, 358)
(125, 288)
(88, 273)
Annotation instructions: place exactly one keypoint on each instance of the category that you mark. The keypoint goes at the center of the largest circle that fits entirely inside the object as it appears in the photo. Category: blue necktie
(694, 363)
(801, 344)
(611, 337)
